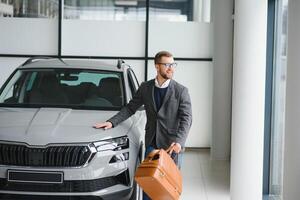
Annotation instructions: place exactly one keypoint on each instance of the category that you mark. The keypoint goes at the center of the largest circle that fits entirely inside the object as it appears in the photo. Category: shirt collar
(164, 85)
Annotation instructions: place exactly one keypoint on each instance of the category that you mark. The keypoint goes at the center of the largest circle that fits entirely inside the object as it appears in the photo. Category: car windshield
(81, 89)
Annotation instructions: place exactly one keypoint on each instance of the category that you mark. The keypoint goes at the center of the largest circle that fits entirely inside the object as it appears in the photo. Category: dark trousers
(176, 157)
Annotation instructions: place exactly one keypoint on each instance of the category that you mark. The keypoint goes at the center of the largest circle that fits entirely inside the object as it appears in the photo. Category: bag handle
(154, 154)
(169, 149)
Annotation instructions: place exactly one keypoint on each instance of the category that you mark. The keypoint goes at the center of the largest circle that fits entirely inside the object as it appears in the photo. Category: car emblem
(36, 157)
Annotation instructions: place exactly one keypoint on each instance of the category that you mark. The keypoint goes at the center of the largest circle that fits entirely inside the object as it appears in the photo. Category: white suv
(47, 144)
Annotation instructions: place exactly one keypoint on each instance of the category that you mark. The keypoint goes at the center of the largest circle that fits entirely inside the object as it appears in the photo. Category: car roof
(74, 64)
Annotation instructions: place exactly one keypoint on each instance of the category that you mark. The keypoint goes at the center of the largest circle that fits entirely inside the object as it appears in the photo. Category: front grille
(52, 156)
(67, 186)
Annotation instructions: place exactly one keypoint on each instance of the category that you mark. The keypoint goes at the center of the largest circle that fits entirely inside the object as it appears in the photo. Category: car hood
(42, 126)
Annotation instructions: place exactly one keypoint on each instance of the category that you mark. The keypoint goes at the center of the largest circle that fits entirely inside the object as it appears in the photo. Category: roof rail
(32, 59)
(120, 62)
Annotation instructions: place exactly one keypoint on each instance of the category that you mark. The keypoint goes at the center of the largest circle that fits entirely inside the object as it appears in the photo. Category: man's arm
(125, 112)
(185, 117)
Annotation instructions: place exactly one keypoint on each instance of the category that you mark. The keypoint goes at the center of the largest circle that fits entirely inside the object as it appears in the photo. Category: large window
(134, 30)
(180, 26)
(119, 10)
(29, 8)
(180, 10)
(278, 109)
(115, 10)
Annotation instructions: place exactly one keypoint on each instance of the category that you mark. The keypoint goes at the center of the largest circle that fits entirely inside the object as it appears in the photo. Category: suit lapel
(152, 95)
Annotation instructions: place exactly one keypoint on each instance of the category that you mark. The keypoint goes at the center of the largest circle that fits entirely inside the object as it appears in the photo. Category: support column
(249, 68)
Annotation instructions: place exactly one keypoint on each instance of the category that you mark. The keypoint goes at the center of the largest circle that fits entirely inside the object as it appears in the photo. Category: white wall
(183, 39)
(222, 82)
(103, 38)
(7, 66)
(291, 174)
(35, 36)
(249, 66)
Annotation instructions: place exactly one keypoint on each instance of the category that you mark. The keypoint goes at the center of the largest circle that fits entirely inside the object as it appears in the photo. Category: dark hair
(161, 54)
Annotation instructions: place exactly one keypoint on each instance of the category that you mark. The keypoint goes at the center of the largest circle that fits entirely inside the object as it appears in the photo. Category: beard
(165, 75)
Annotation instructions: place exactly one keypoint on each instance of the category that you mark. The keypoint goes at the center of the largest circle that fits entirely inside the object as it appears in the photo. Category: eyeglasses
(169, 65)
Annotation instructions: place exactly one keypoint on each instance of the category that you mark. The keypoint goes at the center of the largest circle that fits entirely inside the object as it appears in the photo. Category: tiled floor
(204, 179)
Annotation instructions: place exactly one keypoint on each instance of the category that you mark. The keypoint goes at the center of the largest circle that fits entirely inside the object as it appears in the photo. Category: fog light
(120, 157)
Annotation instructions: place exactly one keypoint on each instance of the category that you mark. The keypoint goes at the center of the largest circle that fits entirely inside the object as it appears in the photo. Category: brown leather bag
(159, 176)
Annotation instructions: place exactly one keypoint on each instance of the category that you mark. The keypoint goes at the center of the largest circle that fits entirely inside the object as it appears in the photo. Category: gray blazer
(173, 120)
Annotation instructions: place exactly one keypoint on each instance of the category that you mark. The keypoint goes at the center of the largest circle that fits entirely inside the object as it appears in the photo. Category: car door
(140, 115)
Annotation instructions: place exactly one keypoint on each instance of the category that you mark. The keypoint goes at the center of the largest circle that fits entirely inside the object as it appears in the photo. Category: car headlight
(114, 144)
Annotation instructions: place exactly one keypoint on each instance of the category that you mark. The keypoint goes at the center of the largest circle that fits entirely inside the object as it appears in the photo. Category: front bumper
(102, 177)
(108, 181)
(114, 187)
(71, 186)
(120, 195)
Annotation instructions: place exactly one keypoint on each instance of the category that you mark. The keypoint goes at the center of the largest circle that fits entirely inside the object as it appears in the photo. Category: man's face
(164, 71)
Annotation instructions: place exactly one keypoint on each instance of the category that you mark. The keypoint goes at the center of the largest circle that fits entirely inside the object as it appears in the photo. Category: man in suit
(167, 105)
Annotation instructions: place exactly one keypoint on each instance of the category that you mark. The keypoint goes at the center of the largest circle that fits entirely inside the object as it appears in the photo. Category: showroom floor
(204, 179)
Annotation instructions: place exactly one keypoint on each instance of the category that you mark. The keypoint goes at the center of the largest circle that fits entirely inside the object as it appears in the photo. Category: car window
(31, 80)
(64, 87)
(133, 82)
(84, 77)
